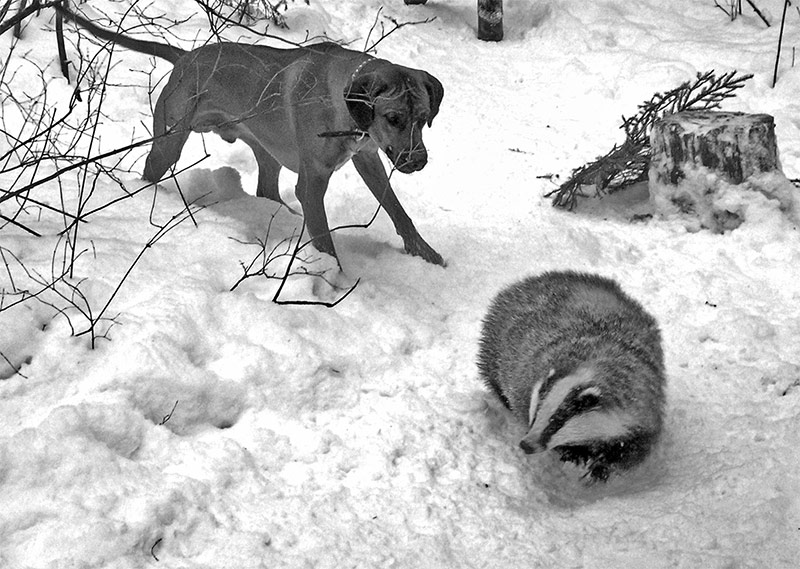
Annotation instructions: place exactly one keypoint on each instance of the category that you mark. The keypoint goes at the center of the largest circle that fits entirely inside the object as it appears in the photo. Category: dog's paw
(418, 247)
(333, 287)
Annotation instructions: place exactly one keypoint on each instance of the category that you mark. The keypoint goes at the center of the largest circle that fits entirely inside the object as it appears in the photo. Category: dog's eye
(394, 119)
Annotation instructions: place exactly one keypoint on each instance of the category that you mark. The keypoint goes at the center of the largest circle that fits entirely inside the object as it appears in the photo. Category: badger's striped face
(571, 411)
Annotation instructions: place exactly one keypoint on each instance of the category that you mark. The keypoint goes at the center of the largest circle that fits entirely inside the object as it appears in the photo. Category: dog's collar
(360, 134)
(340, 133)
(359, 68)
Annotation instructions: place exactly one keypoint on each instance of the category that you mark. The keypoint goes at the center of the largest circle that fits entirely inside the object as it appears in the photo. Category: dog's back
(310, 109)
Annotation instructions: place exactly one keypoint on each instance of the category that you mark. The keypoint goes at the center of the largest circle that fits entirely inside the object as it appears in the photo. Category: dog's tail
(162, 50)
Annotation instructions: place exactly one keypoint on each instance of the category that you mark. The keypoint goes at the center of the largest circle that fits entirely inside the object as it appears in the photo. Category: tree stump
(736, 145)
(490, 20)
(706, 164)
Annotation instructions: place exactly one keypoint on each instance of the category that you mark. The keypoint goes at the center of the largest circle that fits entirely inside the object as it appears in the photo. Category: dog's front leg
(369, 166)
(310, 191)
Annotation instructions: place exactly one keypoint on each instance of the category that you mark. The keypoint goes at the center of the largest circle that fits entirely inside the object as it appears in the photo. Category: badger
(581, 363)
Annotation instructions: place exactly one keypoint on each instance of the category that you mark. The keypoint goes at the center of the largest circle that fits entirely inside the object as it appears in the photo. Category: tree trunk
(490, 20)
(708, 165)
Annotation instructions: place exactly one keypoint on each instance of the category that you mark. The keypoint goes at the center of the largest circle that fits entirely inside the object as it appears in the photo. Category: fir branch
(628, 163)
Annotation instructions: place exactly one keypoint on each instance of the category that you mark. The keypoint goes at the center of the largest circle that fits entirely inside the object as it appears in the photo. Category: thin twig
(166, 418)
(384, 34)
(12, 366)
(758, 12)
(173, 222)
(153, 549)
(276, 298)
(780, 42)
(215, 17)
(729, 14)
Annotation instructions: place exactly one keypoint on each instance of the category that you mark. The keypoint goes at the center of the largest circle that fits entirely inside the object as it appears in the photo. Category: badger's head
(583, 420)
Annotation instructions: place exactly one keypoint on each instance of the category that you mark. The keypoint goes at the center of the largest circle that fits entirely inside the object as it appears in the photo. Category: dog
(309, 109)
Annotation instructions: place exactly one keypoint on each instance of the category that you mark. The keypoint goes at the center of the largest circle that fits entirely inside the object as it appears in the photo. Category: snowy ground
(361, 436)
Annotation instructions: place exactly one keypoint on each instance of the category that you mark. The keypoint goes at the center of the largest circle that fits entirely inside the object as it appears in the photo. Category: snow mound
(704, 200)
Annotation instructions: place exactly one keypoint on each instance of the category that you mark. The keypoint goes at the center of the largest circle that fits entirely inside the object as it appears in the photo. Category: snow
(214, 428)
(704, 199)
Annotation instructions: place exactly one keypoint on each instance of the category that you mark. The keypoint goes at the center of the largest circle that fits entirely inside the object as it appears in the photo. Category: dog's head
(392, 103)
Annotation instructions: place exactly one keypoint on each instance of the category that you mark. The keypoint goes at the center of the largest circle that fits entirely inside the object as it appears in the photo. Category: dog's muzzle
(408, 161)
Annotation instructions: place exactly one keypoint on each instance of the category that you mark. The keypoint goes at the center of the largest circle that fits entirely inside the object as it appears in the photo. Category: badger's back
(549, 335)
(539, 313)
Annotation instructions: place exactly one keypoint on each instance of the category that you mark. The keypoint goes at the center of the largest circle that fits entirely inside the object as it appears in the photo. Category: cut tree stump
(490, 20)
(702, 160)
(735, 145)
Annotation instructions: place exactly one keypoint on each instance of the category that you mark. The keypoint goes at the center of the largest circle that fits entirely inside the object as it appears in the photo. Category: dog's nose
(414, 160)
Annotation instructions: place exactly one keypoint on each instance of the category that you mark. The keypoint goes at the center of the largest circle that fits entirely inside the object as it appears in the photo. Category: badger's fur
(581, 363)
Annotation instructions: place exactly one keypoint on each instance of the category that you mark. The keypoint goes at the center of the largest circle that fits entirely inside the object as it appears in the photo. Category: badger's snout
(531, 446)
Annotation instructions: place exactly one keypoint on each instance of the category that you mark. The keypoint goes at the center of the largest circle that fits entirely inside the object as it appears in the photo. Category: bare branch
(384, 34)
(217, 21)
(24, 13)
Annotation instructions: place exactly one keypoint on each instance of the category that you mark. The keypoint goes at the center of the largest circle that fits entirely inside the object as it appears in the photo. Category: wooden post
(490, 20)
(697, 156)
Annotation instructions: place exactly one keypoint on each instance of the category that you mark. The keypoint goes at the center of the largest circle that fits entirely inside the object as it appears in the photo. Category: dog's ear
(359, 100)
(435, 94)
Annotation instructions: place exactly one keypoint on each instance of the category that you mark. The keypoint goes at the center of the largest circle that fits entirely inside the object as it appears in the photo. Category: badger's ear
(358, 96)
(435, 94)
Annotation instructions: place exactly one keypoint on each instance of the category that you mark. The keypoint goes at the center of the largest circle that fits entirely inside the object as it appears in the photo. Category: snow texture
(703, 199)
(217, 429)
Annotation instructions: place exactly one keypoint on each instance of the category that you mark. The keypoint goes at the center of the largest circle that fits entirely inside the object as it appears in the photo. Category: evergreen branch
(628, 164)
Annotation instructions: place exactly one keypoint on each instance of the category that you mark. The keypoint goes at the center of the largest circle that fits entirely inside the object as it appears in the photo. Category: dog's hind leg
(168, 141)
(268, 171)
(369, 166)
